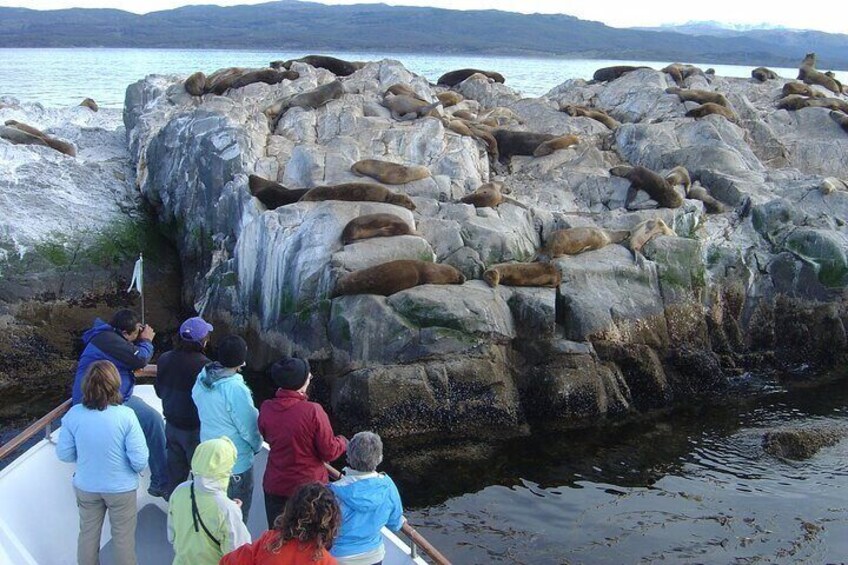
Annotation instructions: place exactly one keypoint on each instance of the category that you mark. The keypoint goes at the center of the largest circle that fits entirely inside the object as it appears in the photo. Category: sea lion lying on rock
(358, 192)
(680, 176)
(271, 194)
(830, 185)
(763, 74)
(808, 73)
(645, 232)
(195, 84)
(573, 241)
(338, 67)
(499, 116)
(470, 129)
(606, 74)
(796, 102)
(597, 115)
(375, 225)
(453, 78)
(699, 96)
(90, 104)
(680, 72)
(555, 144)
(840, 118)
(450, 98)
(314, 98)
(404, 107)
(519, 142)
(223, 80)
(23, 134)
(645, 179)
(405, 90)
(395, 276)
(711, 108)
(489, 195)
(801, 89)
(523, 274)
(390, 173)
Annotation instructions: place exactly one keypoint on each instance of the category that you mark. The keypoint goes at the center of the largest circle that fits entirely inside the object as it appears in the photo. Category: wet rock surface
(801, 443)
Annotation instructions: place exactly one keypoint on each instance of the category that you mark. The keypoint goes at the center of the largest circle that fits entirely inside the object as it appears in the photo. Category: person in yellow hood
(203, 524)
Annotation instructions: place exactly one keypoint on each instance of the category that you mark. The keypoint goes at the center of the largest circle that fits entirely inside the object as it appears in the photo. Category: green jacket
(211, 467)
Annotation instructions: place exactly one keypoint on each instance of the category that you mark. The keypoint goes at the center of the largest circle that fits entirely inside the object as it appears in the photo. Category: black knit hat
(290, 373)
(232, 351)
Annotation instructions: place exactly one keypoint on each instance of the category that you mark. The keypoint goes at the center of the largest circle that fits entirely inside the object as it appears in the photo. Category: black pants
(180, 446)
(274, 506)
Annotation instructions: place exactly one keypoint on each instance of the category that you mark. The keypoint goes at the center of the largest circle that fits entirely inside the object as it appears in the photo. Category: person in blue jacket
(105, 440)
(129, 346)
(369, 500)
(225, 407)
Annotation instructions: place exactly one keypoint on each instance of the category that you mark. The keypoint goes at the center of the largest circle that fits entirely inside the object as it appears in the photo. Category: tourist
(299, 434)
(368, 500)
(203, 524)
(128, 344)
(107, 443)
(302, 534)
(225, 407)
(176, 373)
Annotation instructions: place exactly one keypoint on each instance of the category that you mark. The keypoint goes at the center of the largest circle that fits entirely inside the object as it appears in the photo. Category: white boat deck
(39, 521)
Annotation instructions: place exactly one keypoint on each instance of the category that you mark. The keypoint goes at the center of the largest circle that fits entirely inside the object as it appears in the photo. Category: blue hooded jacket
(103, 342)
(368, 502)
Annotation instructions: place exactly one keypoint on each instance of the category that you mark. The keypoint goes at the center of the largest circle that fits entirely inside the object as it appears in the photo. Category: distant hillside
(290, 25)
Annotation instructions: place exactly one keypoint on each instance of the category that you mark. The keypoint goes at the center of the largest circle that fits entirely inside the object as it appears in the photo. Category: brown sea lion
(500, 115)
(375, 225)
(395, 276)
(645, 231)
(763, 74)
(645, 179)
(195, 84)
(523, 274)
(338, 67)
(711, 205)
(518, 142)
(573, 241)
(487, 195)
(840, 118)
(401, 89)
(20, 137)
(272, 194)
(453, 78)
(679, 176)
(314, 98)
(680, 72)
(796, 102)
(358, 192)
(555, 144)
(597, 115)
(250, 76)
(48, 140)
(711, 108)
(802, 89)
(464, 115)
(468, 129)
(607, 74)
(390, 173)
(90, 104)
(699, 96)
(405, 108)
(450, 98)
(808, 73)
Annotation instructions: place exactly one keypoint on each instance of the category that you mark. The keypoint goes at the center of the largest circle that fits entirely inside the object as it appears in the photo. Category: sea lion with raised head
(606, 74)
(272, 194)
(555, 144)
(679, 176)
(523, 274)
(400, 89)
(358, 192)
(763, 74)
(404, 107)
(711, 108)
(90, 104)
(375, 225)
(645, 179)
(390, 173)
(680, 72)
(573, 241)
(597, 115)
(450, 98)
(395, 276)
(314, 99)
(808, 73)
(645, 232)
(699, 96)
(801, 89)
(453, 78)
(338, 67)
(840, 118)
(195, 84)
(48, 140)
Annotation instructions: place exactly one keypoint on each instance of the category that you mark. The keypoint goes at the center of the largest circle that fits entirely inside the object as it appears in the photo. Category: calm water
(57, 77)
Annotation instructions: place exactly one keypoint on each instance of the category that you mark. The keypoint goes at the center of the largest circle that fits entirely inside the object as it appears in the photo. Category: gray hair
(365, 451)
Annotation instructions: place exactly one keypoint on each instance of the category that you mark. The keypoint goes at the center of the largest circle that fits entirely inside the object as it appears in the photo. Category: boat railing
(45, 423)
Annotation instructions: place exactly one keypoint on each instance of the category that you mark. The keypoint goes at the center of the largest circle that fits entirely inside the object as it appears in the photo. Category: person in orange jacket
(302, 534)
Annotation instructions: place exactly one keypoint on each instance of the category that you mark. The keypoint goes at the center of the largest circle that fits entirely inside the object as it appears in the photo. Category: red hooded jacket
(301, 439)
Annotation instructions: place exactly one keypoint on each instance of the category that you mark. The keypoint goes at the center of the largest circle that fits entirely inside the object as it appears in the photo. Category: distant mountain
(310, 27)
(714, 28)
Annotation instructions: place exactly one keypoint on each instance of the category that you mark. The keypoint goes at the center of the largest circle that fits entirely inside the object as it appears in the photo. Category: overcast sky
(831, 16)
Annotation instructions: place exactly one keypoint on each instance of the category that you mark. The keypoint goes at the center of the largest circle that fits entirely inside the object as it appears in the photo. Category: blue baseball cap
(195, 329)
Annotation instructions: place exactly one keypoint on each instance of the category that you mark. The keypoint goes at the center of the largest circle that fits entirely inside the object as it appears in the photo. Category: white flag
(137, 276)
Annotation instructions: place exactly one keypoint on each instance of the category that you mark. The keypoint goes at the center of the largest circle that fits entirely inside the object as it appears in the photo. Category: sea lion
(268, 76)
(802, 89)
(90, 104)
(518, 142)
(808, 73)
(830, 185)
(645, 231)
(500, 115)
(712, 108)
(48, 140)
(680, 72)
(273, 194)
(679, 176)
(597, 115)
(390, 173)
(523, 274)
(555, 144)
(338, 67)
(796, 102)
(195, 84)
(487, 195)
(606, 74)
(314, 98)
(469, 129)
(840, 118)
(405, 107)
(645, 179)
(711, 205)
(453, 78)
(450, 98)
(699, 96)
(464, 115)
(358, 192)
(763, 74)
(404, 90)
(20, 137)
(395, 276)
(375, 225)
(573, 241)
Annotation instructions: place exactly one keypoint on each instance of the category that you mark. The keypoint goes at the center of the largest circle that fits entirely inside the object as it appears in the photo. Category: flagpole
(141, 286)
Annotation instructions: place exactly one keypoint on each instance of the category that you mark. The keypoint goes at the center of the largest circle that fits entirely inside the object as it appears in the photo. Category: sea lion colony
(493, 128)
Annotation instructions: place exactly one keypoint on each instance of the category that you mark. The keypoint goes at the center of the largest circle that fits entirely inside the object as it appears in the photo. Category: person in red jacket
(302, 535)
(299, 434)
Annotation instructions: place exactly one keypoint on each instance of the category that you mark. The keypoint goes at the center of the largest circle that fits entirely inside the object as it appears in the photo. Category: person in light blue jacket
(369, 500)
(225, 407)
(106, 442)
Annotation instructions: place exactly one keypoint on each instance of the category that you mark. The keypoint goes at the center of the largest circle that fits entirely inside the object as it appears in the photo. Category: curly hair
(311, 515)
